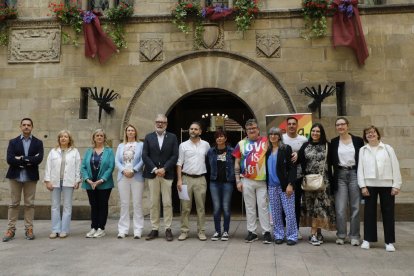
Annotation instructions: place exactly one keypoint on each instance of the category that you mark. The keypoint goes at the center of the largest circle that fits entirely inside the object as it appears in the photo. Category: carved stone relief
(151, 50)
(267, 45)
(34, 43)
(213, 36)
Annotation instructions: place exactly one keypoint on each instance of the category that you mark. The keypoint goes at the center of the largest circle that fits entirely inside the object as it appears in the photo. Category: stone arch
(259, 88)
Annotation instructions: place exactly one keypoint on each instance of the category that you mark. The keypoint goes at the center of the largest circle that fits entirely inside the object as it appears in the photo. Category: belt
(347, 168)
(192, 175)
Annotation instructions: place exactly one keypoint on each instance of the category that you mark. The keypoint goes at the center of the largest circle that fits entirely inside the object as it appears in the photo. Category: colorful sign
(279, 120)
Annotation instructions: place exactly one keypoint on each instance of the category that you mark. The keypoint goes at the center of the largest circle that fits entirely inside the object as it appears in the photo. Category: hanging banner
(279, 120)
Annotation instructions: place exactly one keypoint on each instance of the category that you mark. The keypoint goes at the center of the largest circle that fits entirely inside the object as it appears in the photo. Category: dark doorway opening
(192, 108)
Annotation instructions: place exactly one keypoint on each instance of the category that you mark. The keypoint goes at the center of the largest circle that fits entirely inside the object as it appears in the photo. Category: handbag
(315, 182)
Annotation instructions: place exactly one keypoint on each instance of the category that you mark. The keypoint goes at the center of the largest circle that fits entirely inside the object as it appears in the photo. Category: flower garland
(5, 13)
(73, 16)
(314, 13)
(244, 12)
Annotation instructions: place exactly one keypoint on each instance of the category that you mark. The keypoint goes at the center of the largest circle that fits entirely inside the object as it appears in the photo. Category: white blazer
(382, 165)
(72, 167)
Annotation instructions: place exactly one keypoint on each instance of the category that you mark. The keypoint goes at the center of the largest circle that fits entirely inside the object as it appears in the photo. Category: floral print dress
(319, 209)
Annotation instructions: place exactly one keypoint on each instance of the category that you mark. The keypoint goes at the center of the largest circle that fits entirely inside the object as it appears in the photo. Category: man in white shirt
(191, 170)
(295, 141)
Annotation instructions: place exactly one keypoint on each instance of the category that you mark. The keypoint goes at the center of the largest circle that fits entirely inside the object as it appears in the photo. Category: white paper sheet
(184, 193)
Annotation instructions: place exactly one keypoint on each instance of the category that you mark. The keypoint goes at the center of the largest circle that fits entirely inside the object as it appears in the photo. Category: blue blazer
(106, 169)
(137, 164)
(30, 162)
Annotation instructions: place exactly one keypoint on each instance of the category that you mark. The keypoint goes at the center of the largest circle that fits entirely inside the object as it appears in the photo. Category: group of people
(268, 170)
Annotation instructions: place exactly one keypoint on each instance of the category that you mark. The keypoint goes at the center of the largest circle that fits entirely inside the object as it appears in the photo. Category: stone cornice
(267, 14)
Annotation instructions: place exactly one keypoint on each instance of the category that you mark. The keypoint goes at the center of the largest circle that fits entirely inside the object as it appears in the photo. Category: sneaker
(251, 237)
(99, 233)
(355, 242)
(137, 237)
(8, 236)
(340, 241)
(300, 237)
(216, 236)
(389, 247)
(314, 241)
(29, 234)
(202, 236)
(183, 236)
(291, 242)
(91, 233)
(365, 245)
(121, 236)
(63, 235)
(225, 236)
(320, 238)
(53, 236)
(267, 238)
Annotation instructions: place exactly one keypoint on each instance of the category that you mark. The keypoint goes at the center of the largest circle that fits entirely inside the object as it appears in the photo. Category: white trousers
(126, 186)
(255, 191)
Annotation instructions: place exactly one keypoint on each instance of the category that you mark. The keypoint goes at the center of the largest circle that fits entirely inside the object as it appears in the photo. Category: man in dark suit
(160, 154)
(24, 154)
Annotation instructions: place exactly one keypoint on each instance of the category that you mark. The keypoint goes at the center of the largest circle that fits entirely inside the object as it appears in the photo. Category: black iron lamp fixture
(318, 95)
(103, 99)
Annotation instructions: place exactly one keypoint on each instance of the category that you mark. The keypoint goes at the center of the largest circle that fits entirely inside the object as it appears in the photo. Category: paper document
(184, 193)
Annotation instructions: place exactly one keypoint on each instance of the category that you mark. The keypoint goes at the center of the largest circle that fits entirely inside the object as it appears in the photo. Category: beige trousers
(159, 186)
(29, 191)
(196, 187)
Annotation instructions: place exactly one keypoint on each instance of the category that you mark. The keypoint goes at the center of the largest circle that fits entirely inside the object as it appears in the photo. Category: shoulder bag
(315, 182)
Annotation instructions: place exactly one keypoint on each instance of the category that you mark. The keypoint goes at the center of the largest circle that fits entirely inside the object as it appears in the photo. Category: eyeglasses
(251, 128)
(160, 122)
(341, 124)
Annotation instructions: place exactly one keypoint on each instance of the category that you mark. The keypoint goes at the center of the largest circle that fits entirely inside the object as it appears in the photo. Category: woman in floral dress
(319, 210)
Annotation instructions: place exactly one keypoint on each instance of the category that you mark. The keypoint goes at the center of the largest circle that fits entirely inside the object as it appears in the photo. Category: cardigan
(285, 170)
(358, 143)
(105, 169)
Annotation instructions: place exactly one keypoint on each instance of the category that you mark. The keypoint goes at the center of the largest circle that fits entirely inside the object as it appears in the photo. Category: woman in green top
(97, 166)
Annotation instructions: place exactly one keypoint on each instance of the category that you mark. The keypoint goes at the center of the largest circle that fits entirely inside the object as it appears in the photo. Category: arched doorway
(193, 107)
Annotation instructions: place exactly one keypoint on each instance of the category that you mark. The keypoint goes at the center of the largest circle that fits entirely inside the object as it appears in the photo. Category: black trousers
(98, 199)
(298, 199)
(387, 202)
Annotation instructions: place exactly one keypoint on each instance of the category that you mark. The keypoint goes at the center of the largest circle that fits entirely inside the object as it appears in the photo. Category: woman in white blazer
(378, 175)
(62, 176)
(129, 163)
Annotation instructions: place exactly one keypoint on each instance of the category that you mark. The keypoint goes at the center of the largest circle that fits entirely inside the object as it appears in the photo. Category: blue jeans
(61, 224)
(221, 197)
(348, 196)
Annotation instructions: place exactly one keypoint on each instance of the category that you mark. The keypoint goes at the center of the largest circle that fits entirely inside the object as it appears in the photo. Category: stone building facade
(264, 68)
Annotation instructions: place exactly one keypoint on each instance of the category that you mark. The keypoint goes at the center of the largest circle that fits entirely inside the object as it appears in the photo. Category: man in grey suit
(160, 154)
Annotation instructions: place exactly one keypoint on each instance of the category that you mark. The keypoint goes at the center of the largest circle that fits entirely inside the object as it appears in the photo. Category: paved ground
(77, 255)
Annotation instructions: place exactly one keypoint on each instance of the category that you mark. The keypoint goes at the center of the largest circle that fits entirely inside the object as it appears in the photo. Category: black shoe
(267, 238)
(290, 242)
(278, 241)
(320, 238)
(152, 235)
(251, 237)
(168, 235)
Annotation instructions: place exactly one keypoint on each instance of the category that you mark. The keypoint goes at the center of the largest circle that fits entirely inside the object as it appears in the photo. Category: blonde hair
(125, 133)
(71, 143)
(96, 132)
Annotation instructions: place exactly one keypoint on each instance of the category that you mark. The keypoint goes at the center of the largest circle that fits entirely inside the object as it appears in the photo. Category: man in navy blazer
(24, 154)
(160, 154)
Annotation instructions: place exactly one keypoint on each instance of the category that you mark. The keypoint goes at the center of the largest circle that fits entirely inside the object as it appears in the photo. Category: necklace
(94, 161)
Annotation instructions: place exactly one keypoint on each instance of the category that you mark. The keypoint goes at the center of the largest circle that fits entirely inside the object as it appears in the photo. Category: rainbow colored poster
(279, 120)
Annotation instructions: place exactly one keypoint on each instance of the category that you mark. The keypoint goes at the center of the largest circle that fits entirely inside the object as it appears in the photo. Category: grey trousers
(348, 194)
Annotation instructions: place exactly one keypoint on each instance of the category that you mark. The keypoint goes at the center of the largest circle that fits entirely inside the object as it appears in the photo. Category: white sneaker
(314, 241)
(91, 233)
(216, 236)
(99, 233)
(389, 247)
(365, 245)
(121, 236)
(299, 235)
(225, 236)
(354, 242)
(340, 241)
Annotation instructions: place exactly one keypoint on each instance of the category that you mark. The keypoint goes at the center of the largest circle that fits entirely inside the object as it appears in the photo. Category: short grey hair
(278, 132)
